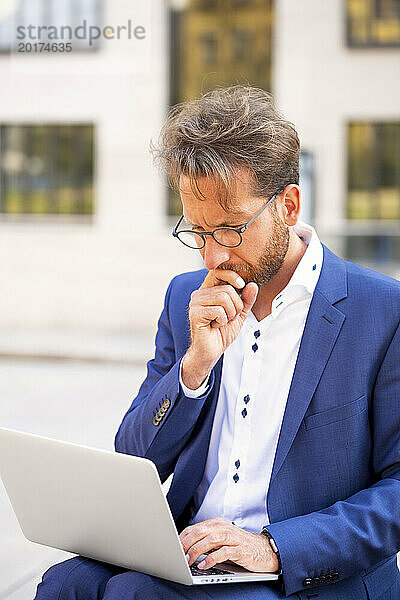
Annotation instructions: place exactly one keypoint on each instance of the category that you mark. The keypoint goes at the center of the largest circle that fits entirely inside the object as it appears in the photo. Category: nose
(214, 254)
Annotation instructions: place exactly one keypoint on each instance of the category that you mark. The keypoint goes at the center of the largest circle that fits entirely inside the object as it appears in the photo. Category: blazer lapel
(191, 463)
(321, 330)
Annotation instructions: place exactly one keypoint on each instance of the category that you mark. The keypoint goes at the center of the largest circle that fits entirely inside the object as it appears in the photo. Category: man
(274, 392)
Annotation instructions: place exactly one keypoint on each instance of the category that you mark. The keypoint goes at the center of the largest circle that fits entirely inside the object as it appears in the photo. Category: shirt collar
(304, 278)
(309, 268)
(306, 274)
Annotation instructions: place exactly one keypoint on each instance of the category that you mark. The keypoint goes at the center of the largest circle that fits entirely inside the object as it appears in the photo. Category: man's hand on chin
(225, 541)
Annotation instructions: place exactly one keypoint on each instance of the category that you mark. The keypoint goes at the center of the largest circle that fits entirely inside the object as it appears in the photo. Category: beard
(271, 259)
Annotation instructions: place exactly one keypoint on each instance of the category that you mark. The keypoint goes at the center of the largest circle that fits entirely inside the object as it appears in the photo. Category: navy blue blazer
(334, 495)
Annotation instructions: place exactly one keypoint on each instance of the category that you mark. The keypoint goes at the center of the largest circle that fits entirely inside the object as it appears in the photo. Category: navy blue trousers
(85, 579)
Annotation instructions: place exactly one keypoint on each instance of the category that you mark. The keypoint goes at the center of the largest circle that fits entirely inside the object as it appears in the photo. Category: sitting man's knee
(132, 585)
(78, 578)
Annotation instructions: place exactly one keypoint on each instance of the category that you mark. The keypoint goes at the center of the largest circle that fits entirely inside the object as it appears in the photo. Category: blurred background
(85, 219)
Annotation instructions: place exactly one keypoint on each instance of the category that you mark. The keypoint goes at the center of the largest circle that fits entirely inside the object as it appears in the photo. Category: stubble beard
(272, 258)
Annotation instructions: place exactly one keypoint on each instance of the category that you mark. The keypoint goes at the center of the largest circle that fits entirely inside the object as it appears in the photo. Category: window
(46, 169)
(209, 47)
(373, 171)
(218, 43)
(373, 23)
(207, 4)
(375, 251)
(241, 45)
(373, 202)
(64, 15)
(235, 4)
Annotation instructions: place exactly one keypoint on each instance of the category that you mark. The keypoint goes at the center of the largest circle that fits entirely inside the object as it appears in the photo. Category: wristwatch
(273, 545)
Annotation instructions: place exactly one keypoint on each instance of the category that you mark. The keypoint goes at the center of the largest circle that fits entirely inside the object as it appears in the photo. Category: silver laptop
(102, 505)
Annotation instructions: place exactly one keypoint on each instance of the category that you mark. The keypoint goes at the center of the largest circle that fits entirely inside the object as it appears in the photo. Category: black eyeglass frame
(239, 230)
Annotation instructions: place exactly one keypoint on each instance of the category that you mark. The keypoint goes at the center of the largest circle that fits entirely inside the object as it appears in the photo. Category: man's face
(265, 243)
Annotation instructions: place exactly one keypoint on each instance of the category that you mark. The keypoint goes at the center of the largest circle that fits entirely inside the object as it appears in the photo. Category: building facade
(99, 264)
(85, 223)
(337, 77)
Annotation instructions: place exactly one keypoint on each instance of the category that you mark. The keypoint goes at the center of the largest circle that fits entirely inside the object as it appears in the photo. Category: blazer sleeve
(362, 530)
(138, 434)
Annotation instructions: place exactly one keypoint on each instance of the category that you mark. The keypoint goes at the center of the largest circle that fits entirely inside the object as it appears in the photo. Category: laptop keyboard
(212, 571)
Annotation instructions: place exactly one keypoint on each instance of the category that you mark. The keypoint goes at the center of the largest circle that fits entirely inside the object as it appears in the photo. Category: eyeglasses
(231, 237)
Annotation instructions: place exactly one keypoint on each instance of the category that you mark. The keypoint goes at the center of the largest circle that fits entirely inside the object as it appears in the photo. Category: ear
(291, 204)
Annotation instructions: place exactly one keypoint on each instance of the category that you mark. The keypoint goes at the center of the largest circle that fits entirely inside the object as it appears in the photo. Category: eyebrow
(224, 224)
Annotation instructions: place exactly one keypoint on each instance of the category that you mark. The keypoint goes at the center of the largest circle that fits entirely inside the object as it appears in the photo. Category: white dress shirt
(256, 376)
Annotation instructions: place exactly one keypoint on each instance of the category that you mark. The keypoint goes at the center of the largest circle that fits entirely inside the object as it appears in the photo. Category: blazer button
(167, 402)
(156, 421)
(307, 581)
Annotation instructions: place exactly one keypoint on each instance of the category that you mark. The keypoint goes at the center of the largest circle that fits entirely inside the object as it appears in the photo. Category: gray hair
(226, 129)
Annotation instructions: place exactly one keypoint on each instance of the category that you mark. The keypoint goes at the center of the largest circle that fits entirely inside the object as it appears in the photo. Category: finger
(186, 535)
(221, 555)
(209, 543)
(202, 316)
(193, 533)
(223, 290)
(249, 296)
(222, 276)
(224, 296)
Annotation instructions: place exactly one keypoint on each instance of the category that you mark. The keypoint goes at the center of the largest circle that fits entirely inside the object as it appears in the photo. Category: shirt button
(237, 463)
(235, 478)
(246, 399)
(257, 333)
(254, 347)
(244, 413)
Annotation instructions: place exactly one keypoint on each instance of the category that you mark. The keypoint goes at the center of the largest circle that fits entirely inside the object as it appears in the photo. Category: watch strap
(273, 545)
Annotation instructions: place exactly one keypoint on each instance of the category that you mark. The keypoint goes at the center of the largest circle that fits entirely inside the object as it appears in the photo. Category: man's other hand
(227, 542)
